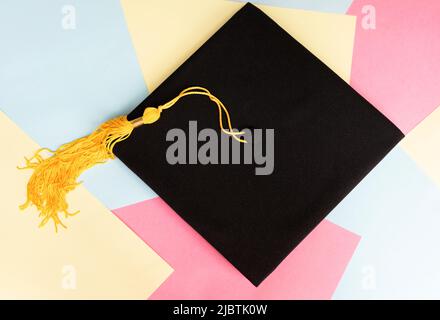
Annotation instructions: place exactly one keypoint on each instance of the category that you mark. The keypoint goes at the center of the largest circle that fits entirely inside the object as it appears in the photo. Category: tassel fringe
(55, 176)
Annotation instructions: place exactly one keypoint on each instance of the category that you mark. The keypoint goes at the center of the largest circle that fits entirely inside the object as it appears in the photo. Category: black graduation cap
(326, 139)
(311, 140)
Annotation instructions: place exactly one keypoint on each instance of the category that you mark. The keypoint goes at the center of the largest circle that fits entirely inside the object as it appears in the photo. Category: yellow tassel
(57, 175)
(54, 177)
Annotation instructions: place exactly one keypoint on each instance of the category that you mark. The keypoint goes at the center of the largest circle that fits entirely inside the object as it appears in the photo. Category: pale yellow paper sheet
(423, 145)
(166, 32)
(96, 257)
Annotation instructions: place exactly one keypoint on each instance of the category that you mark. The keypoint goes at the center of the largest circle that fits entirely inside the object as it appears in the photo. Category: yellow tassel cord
(55, 176)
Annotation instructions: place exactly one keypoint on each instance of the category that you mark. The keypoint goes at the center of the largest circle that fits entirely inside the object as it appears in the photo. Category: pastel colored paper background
(335, 6)
(423, 145)
(395, 66)
(58, 84)
(97, 251)
(160, 52)
(311, 271)
(395, 210)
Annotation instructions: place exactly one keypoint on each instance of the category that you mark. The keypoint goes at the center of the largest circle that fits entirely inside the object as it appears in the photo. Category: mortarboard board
(318, 138)
(326, 139)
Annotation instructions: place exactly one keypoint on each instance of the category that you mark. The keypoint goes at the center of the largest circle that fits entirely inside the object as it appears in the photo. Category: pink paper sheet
(311, 271)
(396, 66)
